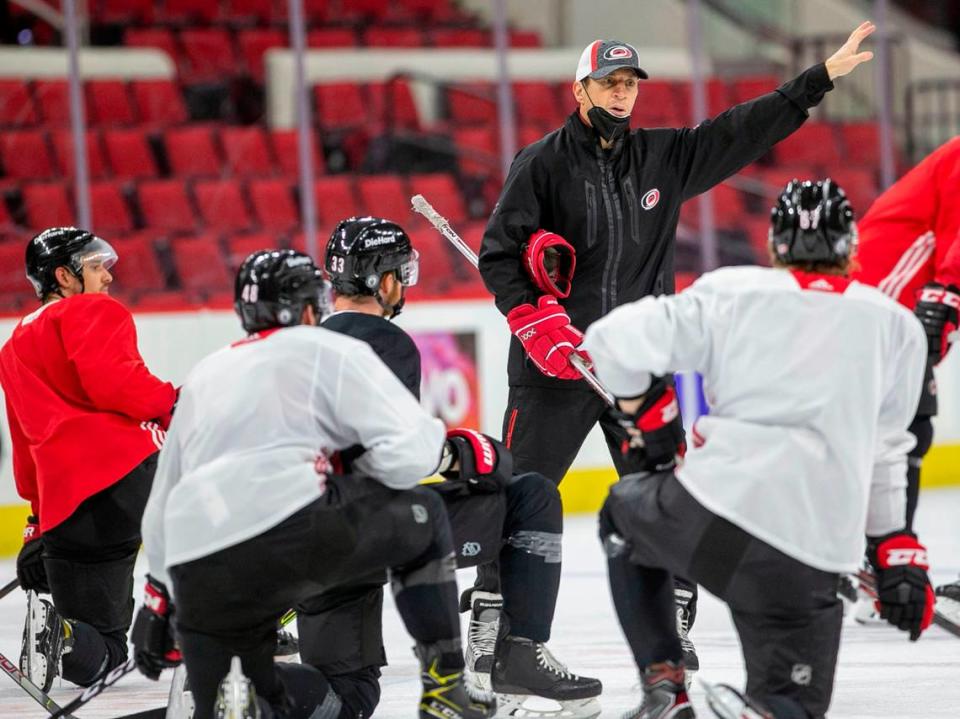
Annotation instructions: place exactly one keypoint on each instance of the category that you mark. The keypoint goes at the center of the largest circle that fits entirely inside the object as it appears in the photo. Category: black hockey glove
(30, 570)
(154, 646)
(482, 462)
(937, 309)
(904, 592)
(659, 425)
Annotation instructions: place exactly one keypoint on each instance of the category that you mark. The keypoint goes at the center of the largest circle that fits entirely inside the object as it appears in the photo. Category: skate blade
(479, 681)
(948, 608)
(528, 706)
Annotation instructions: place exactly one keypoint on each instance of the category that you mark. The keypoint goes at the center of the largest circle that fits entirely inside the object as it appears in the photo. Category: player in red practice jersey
(87, 420)
(910, 249)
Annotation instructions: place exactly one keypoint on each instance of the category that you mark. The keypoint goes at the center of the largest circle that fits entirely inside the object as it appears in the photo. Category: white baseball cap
(601, 57)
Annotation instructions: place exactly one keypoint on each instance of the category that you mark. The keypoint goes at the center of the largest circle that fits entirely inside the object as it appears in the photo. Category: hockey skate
(180, 703)
(485, 608)
(236, 698)
(525, 671)
(948, 601)
(727, 703)
(686, 613)
(865, 610)
(664, 693)
(445, 694)
(46, 638)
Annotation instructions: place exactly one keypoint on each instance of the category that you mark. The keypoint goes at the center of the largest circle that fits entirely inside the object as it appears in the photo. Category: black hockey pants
(787, 613)
(228, 603)
(89, 560)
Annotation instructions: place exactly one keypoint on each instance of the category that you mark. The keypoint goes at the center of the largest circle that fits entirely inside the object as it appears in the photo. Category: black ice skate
(727, 703)
(948, 601)
(664, 693)
(686, 613)
(236, 698)
(46, 638)
(524, 669)
(485, 608)
(445, 694)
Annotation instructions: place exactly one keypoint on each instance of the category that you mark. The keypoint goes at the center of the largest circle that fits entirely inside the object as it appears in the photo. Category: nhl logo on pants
(470, 549)
(420, 515)
(801, 674)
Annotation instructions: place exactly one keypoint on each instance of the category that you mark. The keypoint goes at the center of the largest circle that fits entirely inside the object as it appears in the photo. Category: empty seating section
(158, 102)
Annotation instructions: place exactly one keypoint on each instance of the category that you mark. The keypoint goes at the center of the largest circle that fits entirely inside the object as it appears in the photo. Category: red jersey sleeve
(24, 469)
(947, 229)
(100, 339)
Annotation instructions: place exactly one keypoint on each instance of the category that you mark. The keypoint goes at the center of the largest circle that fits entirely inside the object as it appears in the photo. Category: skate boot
(948, 601)
(485, 608)
(46, 638)
(236, 698)
(727, 703)
(664, 693)
(686, 614)
(524, 669)
(445, 694)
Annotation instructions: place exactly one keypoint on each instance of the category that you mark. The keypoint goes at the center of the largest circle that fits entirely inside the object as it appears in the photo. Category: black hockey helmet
(812, 222)
(68, 247)
(362, 249)
(273, 287)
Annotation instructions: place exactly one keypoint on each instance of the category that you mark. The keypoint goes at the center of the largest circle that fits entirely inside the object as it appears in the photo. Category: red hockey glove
(550, 261)
(937, 309)
(660, 428)
(154, 646)
(30, 569)
(547, 336)
(904, 595)
(485, 464)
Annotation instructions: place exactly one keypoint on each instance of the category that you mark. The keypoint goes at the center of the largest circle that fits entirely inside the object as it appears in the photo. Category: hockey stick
(869, 584)
(35, 692)
(10, 586)
(95, 690)
(442, 225)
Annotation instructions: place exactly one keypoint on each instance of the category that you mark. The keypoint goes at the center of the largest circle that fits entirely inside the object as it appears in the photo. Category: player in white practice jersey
(812, 381)
(246, 516)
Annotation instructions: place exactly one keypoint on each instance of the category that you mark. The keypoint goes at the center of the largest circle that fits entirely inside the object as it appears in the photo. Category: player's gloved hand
(154, 645)
(30, 569)
(166, 418)
(904, 595)
(655, 429)
(550, 261)
(547, 336)
(937, 308)
(485, 464)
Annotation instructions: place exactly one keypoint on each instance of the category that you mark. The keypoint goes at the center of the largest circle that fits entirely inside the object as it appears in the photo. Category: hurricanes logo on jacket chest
(650, 199)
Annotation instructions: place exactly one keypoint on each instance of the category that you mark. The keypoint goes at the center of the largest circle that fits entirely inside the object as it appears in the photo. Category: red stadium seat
(239, 247)
(53, 99)
(442, 192)
(253, 45)
(472, 104)
(273, 204)
(335, 200)
(370, 10)
(428, 12)
(189, 12)
(331, 37)
(814, 143)
(384, 196)
(478, 150)
(393, 104)
(157, 38)
(128, 153)
(246, 151)
(536, 102)
(16, 105)
(109, 210)
(658, 105)
(436, 261)
(339, 105)
(861, 143)
(717, 98)
(121, 12)
(747, 88)
(159, 102)
(285, 150)
(728, 205)
(200, 264)
(24, 155)
(460, 37)
(260, 12)
(64, 159)
(108, 103)
(221, 205)
(208, 55)
(137, 266)
(525, 38)
(191, 152)
(859, 184)
(165, 205)
(386, 36)
(47, 205)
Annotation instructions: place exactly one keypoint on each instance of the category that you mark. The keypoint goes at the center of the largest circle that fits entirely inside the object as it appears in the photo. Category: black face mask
(607, 126)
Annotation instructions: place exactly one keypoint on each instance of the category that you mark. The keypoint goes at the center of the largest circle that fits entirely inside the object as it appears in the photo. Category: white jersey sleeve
(401, 440)
(887, 507)
(152, 525)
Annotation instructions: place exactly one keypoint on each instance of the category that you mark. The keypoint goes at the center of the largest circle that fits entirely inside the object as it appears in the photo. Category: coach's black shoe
(445, 693)
(664, 693)
(46, 638)
(236, 698)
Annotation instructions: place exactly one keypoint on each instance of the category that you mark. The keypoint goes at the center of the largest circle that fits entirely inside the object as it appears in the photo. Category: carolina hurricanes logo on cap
(650, 199)
(617, 52)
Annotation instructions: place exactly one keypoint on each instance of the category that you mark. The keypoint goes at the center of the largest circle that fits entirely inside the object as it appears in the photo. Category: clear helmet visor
(409, 271)
(324, 300)
(95, 252)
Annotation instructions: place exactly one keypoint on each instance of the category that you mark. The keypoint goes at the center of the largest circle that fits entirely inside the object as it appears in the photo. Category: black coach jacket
(619, 208)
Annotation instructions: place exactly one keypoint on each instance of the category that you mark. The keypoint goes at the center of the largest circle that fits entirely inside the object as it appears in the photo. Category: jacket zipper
(608, 294)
